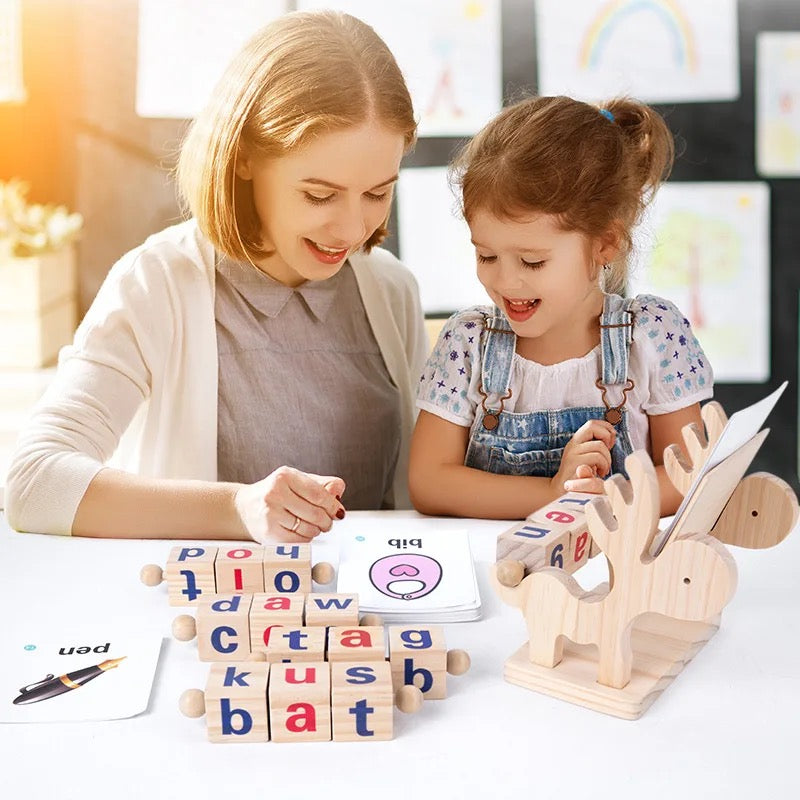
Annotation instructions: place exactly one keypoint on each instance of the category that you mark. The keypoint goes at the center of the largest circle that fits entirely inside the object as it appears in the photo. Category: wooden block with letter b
(362, 700)
(236, 702)
(240, 569)
(190, 574)
(287, 568)
(300, 702)
(347, 643)
(418, 656)
(223, 627)
(332, 609)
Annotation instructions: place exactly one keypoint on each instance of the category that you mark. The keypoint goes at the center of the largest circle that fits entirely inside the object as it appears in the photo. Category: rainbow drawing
(614, 12)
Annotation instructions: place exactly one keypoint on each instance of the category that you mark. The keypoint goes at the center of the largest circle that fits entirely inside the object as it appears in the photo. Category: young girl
(548, 390)
(266, 336)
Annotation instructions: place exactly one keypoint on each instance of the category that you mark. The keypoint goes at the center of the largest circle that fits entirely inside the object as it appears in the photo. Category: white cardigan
(138, 387)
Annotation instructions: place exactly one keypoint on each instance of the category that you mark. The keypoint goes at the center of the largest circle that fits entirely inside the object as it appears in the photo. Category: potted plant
(38, 278)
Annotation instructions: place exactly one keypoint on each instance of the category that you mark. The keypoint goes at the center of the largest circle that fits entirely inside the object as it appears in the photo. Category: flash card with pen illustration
(410, 573)
(76, 677)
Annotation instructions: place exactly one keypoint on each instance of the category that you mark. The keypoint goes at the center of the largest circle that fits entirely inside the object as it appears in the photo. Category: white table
(729, 726)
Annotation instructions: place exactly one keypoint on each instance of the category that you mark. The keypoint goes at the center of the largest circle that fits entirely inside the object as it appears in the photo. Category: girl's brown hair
(303, 74)
(594, 170)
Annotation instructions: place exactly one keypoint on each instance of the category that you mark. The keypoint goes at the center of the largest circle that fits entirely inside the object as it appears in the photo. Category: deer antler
(680, 471)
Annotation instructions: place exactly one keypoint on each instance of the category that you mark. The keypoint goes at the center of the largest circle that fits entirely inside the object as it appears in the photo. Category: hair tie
(607, 114)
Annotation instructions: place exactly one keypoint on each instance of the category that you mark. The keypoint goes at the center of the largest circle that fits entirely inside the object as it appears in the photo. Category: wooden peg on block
(362, 700)
(323, 573)
(300, 702)
(346, 643)
(331, 609)
(189, 574)
(240, 569)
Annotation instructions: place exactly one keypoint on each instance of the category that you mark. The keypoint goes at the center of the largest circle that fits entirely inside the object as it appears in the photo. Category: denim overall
(533, 443)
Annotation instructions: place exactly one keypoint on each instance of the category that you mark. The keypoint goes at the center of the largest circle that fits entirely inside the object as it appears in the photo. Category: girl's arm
(665, 429)
(440, 484)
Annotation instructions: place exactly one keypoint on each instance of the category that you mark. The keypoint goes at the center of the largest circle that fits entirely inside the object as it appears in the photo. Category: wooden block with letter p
(287, 568)
(239, 569)
(236, 702)
(300, 702)
(365, 643)
(331, 609)
(418, 656)
(223, 627)
(190, 574)
(362, 701)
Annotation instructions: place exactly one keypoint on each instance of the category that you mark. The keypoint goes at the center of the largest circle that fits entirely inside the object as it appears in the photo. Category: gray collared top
(302, 382)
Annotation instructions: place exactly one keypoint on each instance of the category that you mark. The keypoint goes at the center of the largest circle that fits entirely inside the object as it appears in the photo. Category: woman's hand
(289, 506)
(586, 459)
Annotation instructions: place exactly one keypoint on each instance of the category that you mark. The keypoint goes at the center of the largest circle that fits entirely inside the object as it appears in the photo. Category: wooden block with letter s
(362, 701)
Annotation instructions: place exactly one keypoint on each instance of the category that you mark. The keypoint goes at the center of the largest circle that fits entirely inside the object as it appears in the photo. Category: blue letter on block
(324, 605)
(216, 639)
(362, 711)
(232, 677)
(409, 672)
(360, 675)
(416, 640)
(190, 552)
(292, 552)
(227, 605)
(532, 532)
(227, 719)
(280, 582)
(191, 590)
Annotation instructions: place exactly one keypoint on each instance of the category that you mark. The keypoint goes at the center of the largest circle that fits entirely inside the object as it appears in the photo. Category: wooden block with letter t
(223, 627)
(347, 643)
(293, 644)
(332, 609)
(236, 702)
(270, 611)
(300, 702)
(239, 569)
(362, 701)
(190, 574)
(287, 568)
(418, 656)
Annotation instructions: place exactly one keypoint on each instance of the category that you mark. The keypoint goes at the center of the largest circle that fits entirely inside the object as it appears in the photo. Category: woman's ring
(296, 525)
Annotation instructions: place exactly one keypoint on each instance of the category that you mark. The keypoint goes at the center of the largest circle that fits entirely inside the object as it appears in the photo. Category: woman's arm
(440, 484)
(665, 429)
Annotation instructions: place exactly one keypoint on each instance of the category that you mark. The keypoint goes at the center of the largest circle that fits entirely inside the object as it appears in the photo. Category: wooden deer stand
(617, 647)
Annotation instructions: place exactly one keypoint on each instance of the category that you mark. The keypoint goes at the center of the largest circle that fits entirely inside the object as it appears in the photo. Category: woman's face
(321, 203)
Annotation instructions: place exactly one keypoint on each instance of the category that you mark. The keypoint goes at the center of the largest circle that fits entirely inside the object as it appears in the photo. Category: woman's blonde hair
(595, 168)
(302, 74)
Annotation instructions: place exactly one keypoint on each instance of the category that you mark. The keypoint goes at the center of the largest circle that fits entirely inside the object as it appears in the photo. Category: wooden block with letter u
(300, 702)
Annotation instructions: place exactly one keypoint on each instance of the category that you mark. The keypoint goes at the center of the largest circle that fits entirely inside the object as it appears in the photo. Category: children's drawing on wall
(778, 104)
(654, 50)
(706, 247)
(449, 51)
(434, 241)
(177, 66)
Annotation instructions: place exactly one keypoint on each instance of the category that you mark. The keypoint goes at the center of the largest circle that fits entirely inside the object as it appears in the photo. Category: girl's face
(542, 277)
(321, 203)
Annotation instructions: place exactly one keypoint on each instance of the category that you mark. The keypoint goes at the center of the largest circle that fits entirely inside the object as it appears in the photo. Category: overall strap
(616, 335)
(498, 346)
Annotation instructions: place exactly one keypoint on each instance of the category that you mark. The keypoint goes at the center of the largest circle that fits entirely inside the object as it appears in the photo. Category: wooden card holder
(616, 648)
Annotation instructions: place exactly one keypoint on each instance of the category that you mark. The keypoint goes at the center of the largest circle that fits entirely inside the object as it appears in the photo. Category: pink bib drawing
(405, 576)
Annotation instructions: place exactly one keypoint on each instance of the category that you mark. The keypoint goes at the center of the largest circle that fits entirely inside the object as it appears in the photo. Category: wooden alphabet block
(300, 702)
(365, 643)
(190, 574)
(240, 569)
(223, 627)
(580, 544)
(535, 544)
(332, 609)
(287, 568)
(269, 611)
(281, 644)
(236, 702)
(418, 656)
(362, 700)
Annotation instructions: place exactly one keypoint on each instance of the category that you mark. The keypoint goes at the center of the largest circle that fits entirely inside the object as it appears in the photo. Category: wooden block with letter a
(418, 656)
(223, 627)
(236, 702)
(190, 574)
(293, 644)
(332, 609)
(362, 701)
(240, 569)
(270, 611)
(347, 643)
(300, 702)
(287, 568)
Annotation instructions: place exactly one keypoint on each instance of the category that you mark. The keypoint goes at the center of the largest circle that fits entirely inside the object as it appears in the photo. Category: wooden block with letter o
(287, 568)
(240, 569)
(236, 702)
(300, 702)
(362, 701)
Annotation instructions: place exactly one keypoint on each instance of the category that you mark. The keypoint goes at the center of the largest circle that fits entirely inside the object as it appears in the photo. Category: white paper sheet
(705, 247)
(659, 51)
